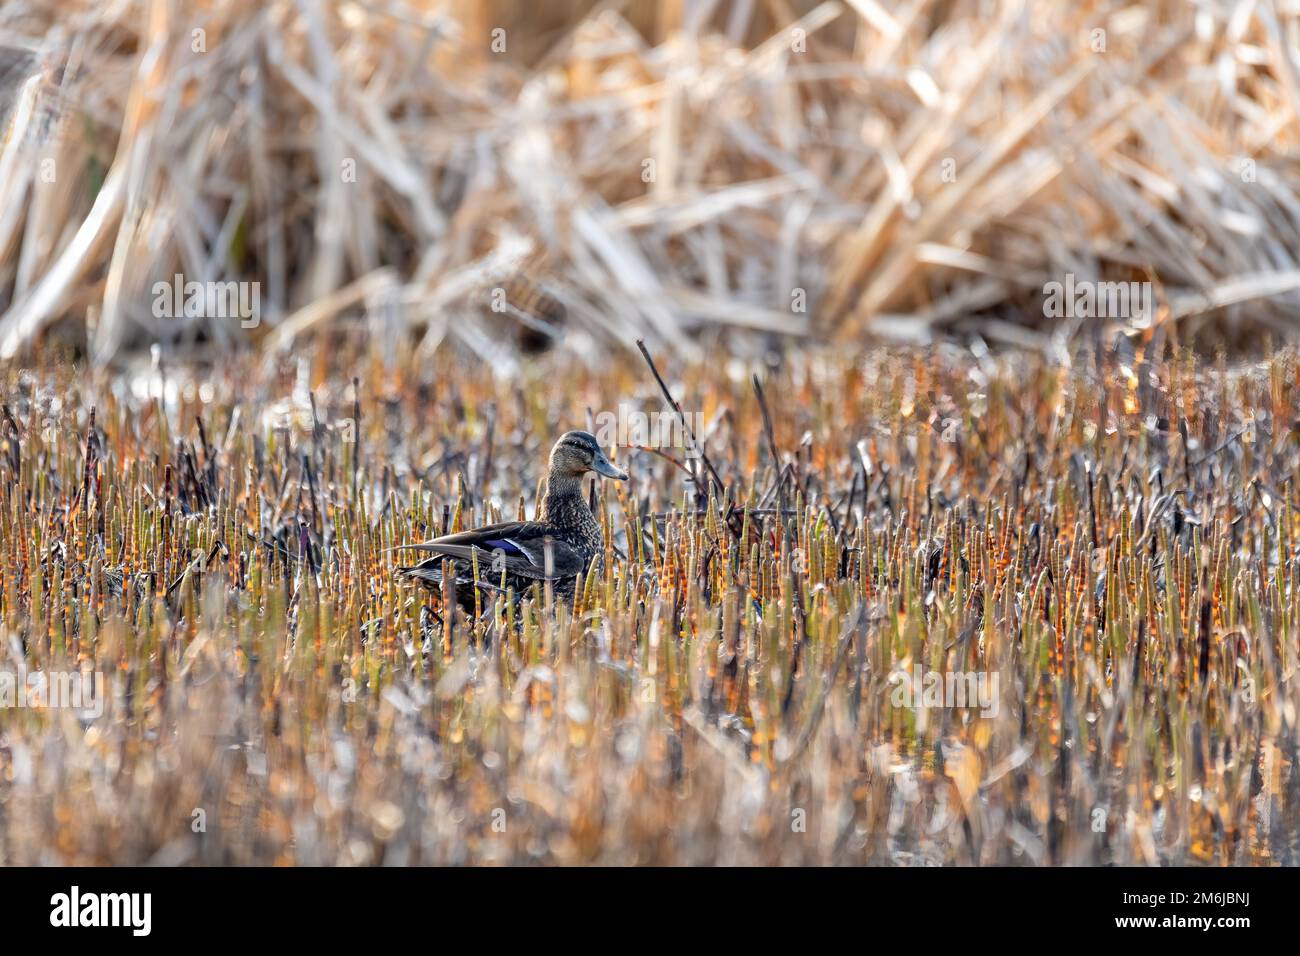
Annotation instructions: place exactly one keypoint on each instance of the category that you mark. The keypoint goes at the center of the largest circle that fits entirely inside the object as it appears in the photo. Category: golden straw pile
(831, 170)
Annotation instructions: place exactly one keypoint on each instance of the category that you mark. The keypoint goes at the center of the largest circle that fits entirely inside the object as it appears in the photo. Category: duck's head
(577, 453)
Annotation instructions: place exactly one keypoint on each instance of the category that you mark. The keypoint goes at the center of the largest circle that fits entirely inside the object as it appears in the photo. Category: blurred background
(511, 177)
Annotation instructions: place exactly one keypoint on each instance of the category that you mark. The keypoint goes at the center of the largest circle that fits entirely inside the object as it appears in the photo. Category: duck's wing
(517, 547)
(487, 536)
(501, 535)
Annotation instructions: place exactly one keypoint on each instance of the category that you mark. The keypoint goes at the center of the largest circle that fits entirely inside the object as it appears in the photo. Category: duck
(565, 527)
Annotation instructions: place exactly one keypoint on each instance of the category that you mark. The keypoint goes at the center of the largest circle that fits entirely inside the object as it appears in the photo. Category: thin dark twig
(723, 494)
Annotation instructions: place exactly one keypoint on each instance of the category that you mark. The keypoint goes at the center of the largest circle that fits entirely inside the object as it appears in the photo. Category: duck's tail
(433, 576)
(419, 572)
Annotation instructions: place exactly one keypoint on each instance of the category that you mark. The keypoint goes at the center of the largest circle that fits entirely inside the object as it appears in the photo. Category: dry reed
(831, 170)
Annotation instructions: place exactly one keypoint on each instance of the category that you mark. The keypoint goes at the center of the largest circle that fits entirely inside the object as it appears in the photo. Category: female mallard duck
(558, 546)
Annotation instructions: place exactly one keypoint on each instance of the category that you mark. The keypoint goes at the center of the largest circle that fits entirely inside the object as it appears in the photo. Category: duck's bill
(604, 466)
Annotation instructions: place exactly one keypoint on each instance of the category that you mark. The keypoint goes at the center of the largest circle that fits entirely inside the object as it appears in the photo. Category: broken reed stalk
(723, 493)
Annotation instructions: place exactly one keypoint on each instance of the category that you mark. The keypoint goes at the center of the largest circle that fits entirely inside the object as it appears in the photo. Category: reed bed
(813, 170)
(1115, 540)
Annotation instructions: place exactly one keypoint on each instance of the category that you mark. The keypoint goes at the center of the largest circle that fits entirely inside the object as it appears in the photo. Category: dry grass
(1116, 542)
(827, 170)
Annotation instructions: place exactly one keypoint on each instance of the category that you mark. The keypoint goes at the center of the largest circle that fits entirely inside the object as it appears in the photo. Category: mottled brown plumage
(514, 555)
